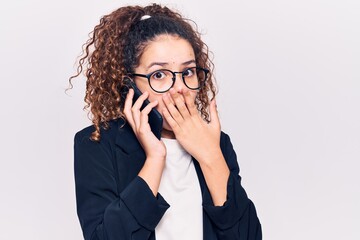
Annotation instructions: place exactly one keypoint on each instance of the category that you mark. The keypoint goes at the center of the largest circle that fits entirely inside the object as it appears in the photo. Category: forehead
(169, 49)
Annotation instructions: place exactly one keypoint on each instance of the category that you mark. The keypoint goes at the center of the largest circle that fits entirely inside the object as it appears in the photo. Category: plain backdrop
(289, 95)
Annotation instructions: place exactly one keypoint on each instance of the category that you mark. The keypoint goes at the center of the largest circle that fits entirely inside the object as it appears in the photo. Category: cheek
(152, 97)
(142, 85)
(161, 104)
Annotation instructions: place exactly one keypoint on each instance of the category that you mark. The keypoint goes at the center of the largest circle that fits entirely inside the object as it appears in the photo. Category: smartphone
(155, 118)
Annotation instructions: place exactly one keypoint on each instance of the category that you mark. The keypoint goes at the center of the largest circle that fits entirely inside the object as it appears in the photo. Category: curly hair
(114, 50)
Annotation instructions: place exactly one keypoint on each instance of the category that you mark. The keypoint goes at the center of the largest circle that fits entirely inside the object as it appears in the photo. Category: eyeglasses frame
(206, 71)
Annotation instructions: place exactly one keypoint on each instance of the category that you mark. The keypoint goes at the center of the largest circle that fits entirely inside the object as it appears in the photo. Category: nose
(179, 83)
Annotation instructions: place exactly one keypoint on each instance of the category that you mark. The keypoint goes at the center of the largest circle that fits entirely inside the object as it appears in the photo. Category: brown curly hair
(114, 50)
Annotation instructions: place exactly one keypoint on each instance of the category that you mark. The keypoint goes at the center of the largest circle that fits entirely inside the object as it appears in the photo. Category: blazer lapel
(130, 157)
(125, 138)
(208, 231)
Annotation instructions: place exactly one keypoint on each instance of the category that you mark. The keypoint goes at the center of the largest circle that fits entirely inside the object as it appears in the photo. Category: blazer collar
(125, 137)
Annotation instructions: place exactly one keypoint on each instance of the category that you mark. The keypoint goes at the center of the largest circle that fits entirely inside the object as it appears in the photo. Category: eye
(188, 72)
(158, 75)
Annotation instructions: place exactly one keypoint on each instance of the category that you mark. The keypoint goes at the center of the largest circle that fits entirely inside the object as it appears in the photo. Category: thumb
(214, 116)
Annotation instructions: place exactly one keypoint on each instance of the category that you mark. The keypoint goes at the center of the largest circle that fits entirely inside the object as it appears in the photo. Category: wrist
(155, 160)
(156, 153)
(209, 157)
(151, 173)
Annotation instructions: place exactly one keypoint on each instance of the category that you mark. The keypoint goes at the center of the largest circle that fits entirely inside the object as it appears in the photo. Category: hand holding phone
(155, 118)
(141, 118)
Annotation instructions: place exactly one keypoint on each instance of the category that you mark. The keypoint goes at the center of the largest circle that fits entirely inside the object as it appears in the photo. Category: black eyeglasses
(162, 80)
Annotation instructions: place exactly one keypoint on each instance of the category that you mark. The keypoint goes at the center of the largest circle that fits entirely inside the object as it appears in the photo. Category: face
(165, 52)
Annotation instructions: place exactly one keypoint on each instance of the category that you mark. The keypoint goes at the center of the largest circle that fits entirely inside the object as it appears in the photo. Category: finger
(175, 114)
(139, 102)
(190, 102)
(135, 110)
(127, 107)
(173, 124)
(144, 116)
(214, 115)
(179, 103)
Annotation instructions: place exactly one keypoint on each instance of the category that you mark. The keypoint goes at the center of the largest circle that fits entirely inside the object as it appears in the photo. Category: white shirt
(181, 189)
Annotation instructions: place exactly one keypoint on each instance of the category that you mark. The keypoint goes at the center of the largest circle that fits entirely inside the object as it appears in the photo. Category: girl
(129, 183)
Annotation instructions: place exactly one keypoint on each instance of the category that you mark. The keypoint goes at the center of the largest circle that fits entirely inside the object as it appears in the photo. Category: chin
(167, 131)
(166, 126)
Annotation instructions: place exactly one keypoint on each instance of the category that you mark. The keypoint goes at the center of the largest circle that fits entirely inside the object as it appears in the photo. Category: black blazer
(114, 203)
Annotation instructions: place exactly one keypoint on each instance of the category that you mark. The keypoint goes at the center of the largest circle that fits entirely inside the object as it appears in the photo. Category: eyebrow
(165, 63)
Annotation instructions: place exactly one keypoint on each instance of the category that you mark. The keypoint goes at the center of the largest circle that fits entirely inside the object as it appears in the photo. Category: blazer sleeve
(237, 218)
(104, 213)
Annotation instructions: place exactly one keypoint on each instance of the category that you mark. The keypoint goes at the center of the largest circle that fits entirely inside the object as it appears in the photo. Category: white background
(288, 76)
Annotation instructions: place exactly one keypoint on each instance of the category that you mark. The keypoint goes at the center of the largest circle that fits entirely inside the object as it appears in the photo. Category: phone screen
(155, 118)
